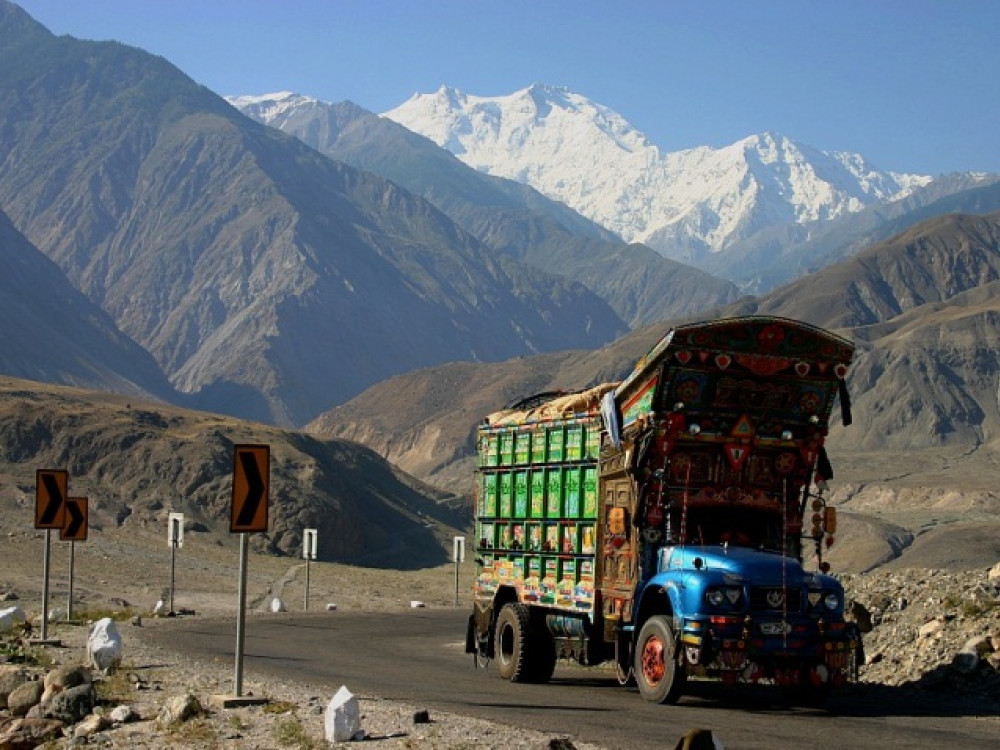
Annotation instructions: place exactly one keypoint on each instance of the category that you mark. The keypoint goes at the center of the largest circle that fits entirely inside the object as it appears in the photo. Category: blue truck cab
(673, 523)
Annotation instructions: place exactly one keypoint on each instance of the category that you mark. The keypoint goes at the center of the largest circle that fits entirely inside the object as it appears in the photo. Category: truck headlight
(715, 597)
(832, 601)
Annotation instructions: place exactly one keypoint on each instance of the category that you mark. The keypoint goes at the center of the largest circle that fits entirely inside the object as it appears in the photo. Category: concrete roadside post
(309, 553)
(175, 538)
(458, 554)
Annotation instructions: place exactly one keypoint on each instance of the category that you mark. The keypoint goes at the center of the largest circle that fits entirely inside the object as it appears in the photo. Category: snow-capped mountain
(686, 204)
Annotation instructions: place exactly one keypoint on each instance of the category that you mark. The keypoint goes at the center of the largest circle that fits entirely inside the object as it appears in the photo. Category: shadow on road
(857, 700)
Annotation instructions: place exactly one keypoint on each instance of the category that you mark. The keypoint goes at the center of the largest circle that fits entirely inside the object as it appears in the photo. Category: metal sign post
(175, 538)
(69, 596)
(251, 476)
(50, 513)
(458, 554)
(309, 553)
(74, 530)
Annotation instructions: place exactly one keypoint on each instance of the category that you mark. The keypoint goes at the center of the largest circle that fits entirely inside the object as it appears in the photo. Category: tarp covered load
(559, 407)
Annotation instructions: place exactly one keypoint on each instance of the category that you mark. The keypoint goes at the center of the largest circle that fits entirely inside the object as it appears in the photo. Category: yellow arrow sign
(251, 475)
(50, 498)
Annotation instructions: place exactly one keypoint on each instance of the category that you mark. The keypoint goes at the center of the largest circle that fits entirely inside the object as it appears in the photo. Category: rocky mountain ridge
(685, 204)
(248, 265)
(506, 216)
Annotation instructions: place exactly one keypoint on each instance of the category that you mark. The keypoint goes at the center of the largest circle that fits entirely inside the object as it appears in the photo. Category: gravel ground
(293, 716)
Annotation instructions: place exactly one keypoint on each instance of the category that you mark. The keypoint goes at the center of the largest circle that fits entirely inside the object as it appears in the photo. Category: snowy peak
(685, 203)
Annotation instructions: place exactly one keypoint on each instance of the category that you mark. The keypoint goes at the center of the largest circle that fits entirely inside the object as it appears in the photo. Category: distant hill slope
(137, 461)
(639, 284)
(923, 308)
(51, 332)
(268, 281)
(931, 262)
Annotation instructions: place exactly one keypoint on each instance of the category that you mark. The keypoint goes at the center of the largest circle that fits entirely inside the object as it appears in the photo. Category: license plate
(775, 628)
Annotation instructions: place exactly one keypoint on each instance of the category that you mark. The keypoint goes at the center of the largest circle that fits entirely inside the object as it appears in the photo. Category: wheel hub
(653, 666)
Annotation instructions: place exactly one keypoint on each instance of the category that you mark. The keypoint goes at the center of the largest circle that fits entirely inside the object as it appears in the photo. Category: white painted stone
(331, 607)
(343, 717)
(414, 604)
(104, 645)
(277, 605)
(10, 617)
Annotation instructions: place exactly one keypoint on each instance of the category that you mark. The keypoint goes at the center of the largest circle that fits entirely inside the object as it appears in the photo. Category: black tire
(511, 649)
(541, 654)
(655, 665)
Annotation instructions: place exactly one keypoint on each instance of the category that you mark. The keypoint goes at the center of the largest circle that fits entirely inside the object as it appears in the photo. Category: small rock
(123, 714)
(422, 717)
(331, 607)
(994, 574)
(930, 628)
(90, 726)
(414, 604)
(179, 709)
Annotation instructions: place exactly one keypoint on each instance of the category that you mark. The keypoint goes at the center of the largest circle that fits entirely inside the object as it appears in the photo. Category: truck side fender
(657, 599)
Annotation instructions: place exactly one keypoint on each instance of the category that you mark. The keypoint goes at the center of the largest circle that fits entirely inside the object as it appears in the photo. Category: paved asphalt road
(417, 656)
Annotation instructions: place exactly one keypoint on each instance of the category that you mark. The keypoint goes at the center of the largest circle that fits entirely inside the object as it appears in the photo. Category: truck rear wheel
(658, 675)
(522, 653)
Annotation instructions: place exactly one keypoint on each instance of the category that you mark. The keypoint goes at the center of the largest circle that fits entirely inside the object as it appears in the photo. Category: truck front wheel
(658, 675)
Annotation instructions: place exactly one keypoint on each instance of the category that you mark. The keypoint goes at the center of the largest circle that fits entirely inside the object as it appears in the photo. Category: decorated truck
(673, 523)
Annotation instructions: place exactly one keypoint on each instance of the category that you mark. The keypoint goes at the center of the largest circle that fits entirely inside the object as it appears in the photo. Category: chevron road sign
(251, 474)
(75, 528)
(50, 498)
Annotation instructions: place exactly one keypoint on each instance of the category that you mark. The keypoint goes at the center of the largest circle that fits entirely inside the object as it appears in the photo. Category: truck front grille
(775, 599)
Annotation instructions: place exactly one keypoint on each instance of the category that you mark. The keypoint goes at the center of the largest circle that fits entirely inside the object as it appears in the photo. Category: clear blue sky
(910, 84)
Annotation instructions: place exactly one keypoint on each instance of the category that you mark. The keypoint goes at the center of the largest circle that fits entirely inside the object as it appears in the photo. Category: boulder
(104, 646)
(70, 705)
(29, 733)
(10, 678)
(860, 614)
(343, 717)
(24, 697)
(64, 677)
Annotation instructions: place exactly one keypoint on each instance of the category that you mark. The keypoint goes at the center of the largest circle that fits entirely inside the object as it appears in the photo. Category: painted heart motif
(802, 369)
(840, 371)
(723, 361)
(683, 356)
